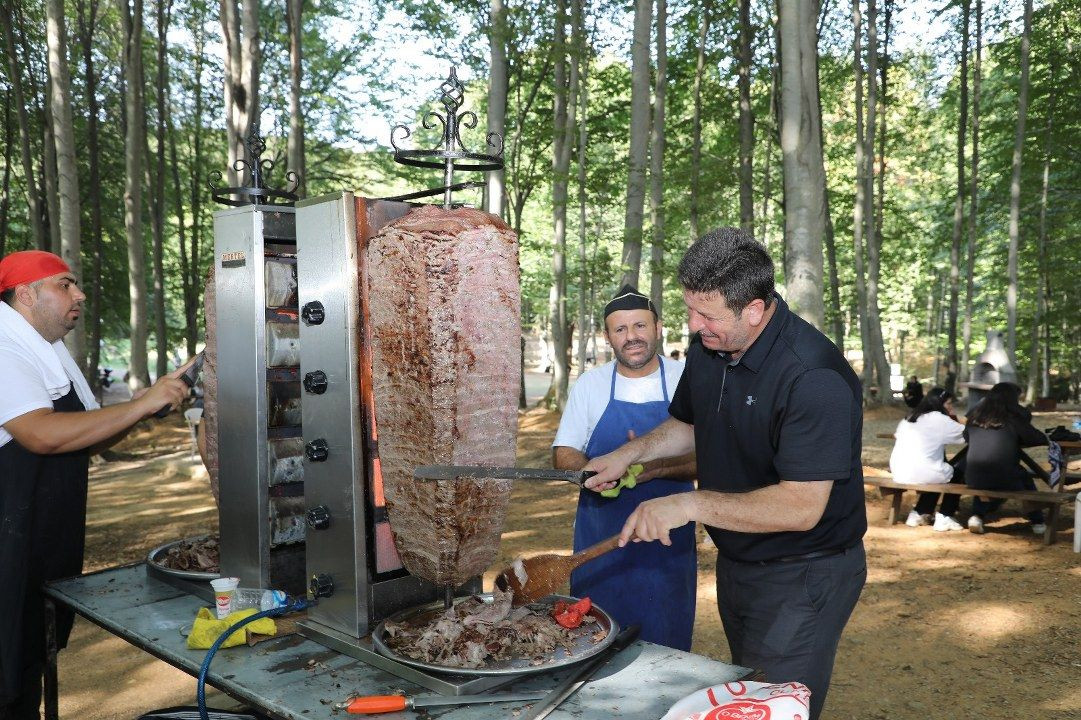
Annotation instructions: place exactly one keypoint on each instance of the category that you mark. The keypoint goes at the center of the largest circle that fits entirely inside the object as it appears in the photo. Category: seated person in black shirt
(998, 427)
(913, 392)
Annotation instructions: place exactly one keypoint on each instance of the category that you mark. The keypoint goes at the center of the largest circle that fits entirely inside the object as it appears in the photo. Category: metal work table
(291, 678)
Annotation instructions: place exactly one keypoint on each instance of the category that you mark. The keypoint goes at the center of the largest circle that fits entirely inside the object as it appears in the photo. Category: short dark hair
(8, 296)
(729, 262)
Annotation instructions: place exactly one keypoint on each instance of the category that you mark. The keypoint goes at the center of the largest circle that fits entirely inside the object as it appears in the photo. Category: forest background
(916, 192)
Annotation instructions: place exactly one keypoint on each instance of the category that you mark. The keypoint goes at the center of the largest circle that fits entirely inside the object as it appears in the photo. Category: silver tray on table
(155, 556)
(584, 647)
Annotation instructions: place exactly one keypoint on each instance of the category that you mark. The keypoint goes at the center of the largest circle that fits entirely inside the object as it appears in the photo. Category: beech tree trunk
(158, 205)
(639, 139)
(656, 167)
(565, 100)
(131, 17)
(585, 277)
(746, 119)
(1036, 378)
(959, 203)
(67, 170)
(35, 211)
(240, 31)
(874, 323)
(801, 148)
(87, 19)
(860, 205)
(497, 97)
(696, 122)
(973, 202)
(295, 149)
(1015, 186)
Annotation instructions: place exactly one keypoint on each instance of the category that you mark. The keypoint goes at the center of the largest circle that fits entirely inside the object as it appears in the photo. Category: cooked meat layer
(475, 634)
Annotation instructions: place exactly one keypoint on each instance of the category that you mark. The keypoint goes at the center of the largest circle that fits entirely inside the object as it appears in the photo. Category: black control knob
(321, 585)
(317, 450)
(314, 313)
(319, 517)
(315, 382)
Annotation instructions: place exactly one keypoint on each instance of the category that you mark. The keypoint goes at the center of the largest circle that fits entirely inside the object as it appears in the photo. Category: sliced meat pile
(193, 555)
(444, 328)
(474, 634)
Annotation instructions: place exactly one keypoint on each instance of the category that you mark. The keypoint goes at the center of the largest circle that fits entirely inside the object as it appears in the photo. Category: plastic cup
(223, 595)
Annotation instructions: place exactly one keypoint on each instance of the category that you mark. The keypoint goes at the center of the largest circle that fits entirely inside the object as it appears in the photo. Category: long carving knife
(373, 704)
(580, 676)
(455, 472)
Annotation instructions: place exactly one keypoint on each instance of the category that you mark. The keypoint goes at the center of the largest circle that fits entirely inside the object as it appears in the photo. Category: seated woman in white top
(919, 454)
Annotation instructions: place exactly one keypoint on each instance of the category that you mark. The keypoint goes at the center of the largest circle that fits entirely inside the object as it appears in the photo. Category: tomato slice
(569, 619)
(583, 606)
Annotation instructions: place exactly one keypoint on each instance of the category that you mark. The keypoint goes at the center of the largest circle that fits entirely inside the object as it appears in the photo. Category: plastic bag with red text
(745, 701)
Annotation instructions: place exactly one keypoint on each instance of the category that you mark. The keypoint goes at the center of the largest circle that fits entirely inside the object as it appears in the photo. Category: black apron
(42, 529)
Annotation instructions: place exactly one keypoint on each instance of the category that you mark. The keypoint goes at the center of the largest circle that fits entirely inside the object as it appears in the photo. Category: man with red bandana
(50, 424)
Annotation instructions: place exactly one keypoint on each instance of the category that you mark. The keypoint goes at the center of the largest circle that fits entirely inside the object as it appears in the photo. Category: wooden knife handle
(594, 550)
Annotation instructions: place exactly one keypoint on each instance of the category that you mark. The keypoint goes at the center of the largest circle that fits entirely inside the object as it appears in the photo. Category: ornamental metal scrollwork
(256, 170)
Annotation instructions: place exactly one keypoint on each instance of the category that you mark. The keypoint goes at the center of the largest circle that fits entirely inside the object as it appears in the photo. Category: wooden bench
(1051, 500)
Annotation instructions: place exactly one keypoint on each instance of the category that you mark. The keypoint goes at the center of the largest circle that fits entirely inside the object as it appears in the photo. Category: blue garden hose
(200, 688)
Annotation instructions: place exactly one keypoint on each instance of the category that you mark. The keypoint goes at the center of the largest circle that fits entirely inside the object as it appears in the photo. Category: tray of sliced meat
(485, 635)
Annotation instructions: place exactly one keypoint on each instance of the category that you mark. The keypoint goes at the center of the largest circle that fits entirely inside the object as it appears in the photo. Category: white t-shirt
(917, 456)
(590, 394)
(24, 389)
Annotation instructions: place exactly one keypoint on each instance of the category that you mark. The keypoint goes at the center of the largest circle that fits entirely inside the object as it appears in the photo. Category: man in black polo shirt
(773, 411)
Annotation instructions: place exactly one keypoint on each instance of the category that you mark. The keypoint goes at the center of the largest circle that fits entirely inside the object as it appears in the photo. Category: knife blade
(189, 377)
(372, 704)
(580, 676)
(455, 472)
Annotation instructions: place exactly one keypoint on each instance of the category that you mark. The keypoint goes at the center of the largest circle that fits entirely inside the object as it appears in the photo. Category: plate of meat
(485, 635)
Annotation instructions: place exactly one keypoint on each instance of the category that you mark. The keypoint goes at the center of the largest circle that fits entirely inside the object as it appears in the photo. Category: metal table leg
(52, 710)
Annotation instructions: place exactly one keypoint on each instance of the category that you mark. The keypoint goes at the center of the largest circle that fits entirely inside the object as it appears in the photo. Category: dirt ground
(950, 625)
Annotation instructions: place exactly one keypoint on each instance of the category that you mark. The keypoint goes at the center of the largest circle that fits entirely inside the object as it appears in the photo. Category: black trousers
(786, 618)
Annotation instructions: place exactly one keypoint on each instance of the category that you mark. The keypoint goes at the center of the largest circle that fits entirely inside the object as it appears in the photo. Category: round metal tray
(583, 647)
(154, 558)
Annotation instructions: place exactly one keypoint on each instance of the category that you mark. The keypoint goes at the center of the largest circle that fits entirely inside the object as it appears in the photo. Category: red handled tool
(371, 704)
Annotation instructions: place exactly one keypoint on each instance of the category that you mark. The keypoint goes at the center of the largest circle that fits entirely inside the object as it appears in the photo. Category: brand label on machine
(233, 259)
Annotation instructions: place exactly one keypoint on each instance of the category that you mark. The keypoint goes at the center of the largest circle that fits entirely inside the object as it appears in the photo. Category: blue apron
(644, 583)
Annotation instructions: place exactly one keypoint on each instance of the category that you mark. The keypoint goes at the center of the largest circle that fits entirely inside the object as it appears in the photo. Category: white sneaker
(915, 519)
(975, 524)
(1039, 528)
(944, 523)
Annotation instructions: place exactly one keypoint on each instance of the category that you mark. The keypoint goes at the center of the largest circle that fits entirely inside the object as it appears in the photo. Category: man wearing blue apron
(49, 424)
(647, 584)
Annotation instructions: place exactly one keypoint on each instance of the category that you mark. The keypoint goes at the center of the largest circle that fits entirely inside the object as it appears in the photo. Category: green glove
(627, 481)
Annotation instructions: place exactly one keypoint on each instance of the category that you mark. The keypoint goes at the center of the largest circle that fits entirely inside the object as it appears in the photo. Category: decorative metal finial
(257, 170)
(450, 154)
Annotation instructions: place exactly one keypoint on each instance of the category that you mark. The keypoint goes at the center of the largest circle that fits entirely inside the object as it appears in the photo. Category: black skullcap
(628, 298)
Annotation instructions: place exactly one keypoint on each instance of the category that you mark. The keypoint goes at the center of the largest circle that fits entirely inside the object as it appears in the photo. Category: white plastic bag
(745, 701)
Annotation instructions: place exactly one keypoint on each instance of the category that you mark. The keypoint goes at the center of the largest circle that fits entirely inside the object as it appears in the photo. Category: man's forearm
(567, 458)
(787, 506)
(47, 432)
(670, 439)
(683, 467)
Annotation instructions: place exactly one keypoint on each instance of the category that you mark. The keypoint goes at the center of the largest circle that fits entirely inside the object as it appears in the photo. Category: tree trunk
(696, 122)
(959, 203)
(497, 96)
(771, 132)
(874, 323)
(1034, 374)
(804, 220)
(161, 333)
(1015, 187)
(860, 204)
(67, 170)
(51, 181)
(973, 202)
(236, 95)
(5, 190)
(639, 138)
(746, 120)
(14, 67)
(131, 17)
(565, 100)
(585, 316)
(196, 187)
(295, 151)
(833, 313)
(87, 26)
(656, 167)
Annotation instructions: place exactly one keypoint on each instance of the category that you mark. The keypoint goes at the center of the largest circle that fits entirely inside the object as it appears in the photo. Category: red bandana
(29, 266)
